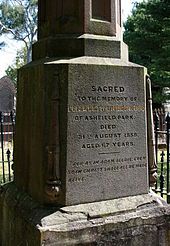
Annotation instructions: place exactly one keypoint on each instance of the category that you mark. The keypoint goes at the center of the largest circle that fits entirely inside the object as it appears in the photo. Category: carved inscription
(96, 108)
(107, 130)
(80, 175)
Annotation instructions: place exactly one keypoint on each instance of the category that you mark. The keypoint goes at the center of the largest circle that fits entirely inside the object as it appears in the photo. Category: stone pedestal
(133, 221)
(84, 130)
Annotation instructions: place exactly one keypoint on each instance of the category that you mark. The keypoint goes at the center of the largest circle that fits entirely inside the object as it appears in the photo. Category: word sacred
(109, 88)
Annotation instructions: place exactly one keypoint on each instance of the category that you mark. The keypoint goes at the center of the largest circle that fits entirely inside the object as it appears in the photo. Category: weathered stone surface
(81, 138)
(90, 114)
(79, 17)
(106, 119)
(51, 118)
(132, 221)
(63, 26)
(84, 45)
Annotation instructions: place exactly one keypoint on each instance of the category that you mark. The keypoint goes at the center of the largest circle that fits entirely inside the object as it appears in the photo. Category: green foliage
(11, 71)
(19, 18)
(147, 33)
(12, 17)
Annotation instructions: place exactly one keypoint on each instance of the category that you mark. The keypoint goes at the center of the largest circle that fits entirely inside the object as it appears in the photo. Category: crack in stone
(75, 212)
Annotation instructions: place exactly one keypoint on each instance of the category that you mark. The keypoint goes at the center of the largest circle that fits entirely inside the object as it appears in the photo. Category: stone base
(83, 135)
(77, 46)
(139, 221)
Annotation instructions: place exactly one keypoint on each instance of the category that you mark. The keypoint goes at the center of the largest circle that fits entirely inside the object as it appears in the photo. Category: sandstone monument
(86, 113)
(81, 166)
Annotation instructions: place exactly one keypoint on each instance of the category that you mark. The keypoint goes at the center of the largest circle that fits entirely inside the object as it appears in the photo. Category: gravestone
(106, 121)
(81, 166)
(7, 94)
(87, 115)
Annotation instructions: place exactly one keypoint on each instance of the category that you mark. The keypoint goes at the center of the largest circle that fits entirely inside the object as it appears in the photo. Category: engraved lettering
(123, 144)
(96, 108)
(107, 127)
(108, 161)
(95, 145)
(76, 179)
(105, 88)
(80, 175)
(130, 135)
(103, 117)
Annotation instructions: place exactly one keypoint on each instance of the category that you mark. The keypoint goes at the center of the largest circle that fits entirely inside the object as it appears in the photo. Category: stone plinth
(133, 221)
(84, 131)
(83, 45)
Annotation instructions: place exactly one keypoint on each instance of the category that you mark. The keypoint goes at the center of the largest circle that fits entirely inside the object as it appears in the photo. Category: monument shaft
(79, 17)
